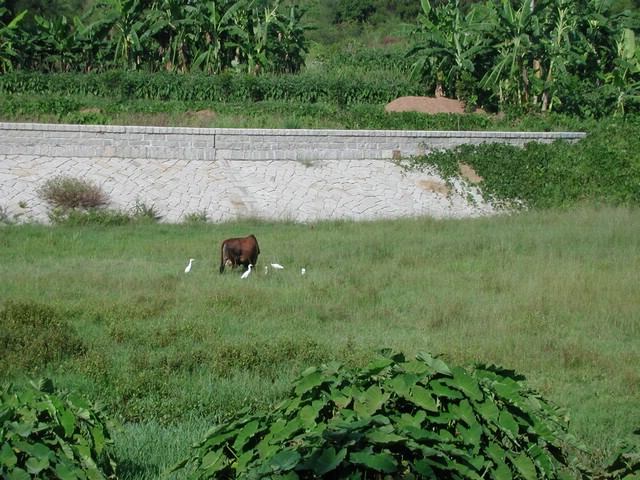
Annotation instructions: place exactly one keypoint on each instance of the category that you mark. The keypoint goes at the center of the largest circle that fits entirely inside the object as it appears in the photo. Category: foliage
(45, 433)
(523, 55)
(194, 218)
(603, 168)
(66, 192)
(171, 35)
(142, 212)
(416, 418)
(33, 335)
(9, 42)
(106, 217)
(625, 463)
(311, 87)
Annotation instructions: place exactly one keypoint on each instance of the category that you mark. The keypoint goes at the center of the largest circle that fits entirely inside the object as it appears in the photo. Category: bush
(394, 419)
(91, 216)
(32, 336)
(600, 168)
(65, 192)
(48, 434)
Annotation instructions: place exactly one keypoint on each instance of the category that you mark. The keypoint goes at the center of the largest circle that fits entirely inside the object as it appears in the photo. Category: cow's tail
(223, 251)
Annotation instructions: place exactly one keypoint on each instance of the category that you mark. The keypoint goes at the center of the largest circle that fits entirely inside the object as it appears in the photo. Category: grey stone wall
(299, 175)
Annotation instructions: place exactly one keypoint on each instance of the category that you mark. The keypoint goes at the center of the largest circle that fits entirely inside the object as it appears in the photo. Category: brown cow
(239, 251)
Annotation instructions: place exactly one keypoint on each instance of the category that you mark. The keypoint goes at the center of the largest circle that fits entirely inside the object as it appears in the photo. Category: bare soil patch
(425, 105)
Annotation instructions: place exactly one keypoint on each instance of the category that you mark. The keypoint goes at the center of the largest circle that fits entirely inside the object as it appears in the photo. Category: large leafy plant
(404, 418)
(47, 434)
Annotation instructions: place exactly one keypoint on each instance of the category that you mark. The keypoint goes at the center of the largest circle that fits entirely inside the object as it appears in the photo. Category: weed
(33, 336)
(65, 193)
(145, 213)
(195, 218)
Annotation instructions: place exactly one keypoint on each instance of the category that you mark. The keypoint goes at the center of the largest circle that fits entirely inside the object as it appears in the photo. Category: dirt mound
(425, 105)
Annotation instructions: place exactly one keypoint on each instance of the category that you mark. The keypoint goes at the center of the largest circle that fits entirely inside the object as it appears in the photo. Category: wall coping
(126, 129)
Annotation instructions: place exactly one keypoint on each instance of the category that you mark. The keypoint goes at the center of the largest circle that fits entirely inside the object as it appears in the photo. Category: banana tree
(214, 35)
(625, 77)
(449, 46)
(126, 23)
(8, 39)
(515, 41)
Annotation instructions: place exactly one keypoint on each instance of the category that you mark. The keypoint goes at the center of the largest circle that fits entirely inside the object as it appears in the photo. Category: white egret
(277, 266)
(188, 267)
(246, 274)
(303, 271)
(266, 269)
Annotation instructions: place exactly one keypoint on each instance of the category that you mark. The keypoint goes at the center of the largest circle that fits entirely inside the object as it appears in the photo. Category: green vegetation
(550, 294)
(50, 434)
(599, 167)
(409, 419)
(580, 58)
(99, 302)
(170, 35)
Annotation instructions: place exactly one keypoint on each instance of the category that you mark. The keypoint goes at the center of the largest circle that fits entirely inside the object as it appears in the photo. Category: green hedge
(604, 167)
(307, 87)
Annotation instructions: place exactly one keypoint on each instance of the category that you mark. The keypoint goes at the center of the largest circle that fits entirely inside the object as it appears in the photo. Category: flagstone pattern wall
(298, 175)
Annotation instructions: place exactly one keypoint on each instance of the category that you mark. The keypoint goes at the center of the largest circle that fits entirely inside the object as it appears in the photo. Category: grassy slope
(553, 295)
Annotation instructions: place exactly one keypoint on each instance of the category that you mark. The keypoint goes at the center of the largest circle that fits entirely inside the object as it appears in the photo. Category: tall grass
(551, 294)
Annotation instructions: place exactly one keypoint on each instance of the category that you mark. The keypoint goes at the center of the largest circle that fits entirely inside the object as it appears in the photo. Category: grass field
(554, 295)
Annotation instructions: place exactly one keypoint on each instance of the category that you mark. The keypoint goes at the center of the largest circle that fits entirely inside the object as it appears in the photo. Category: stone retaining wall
(298, 175)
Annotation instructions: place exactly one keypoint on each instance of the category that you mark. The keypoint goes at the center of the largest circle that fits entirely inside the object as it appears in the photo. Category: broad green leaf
(443, 391)
(377, 366)
(508, 423)
(488, 410)
(18, 474)
(7, 456)
(326, 460)
(308, 415)
(423, 398)
(308, 382)
(285, 460)
(542, 459)
(370, 401)
(496, 453)
(98, 439)
(408, 420)
(67, 420)
(214, 461)
(416, 367)
(65, 472)
(401, 384)
(508, 389)
(21, 428)
(247, 432)
(381, 437)
(524, 465)
(464, 412)
(36, 465)
(381, 462)
(436, 364)
(501, 472)
(40, 451)
(340, 398)
(465, 383)
(471, 435)
(424, 469)
(421, 435)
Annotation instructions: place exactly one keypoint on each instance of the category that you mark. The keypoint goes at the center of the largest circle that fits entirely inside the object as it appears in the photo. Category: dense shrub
(49, 434)
(67, 192)
(311, 87)
(604, 167)
(401, 418)
(91, 216)
(34, 335)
